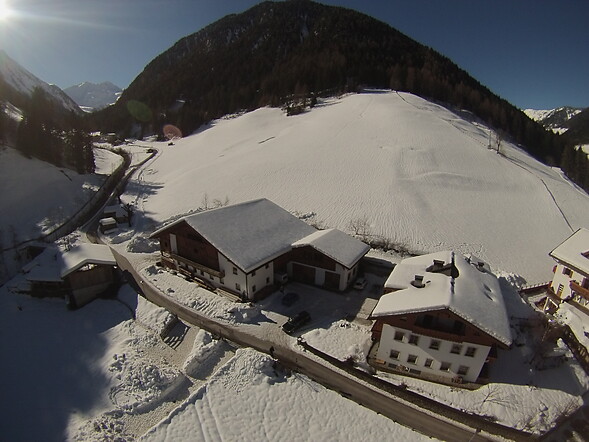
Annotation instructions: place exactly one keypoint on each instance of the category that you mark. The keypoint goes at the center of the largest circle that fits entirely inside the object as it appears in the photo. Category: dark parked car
(296, 322)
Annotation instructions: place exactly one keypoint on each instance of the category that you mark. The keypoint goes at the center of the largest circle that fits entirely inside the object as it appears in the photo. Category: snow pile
(342, 340)
(576, 320)
(190, 294)
(142, 386)
(203, 348)
(243, 313)
(251, 399)
(107, 427)
(153, 317)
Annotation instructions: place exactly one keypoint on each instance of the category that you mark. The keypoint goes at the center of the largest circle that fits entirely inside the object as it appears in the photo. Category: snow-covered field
(251, 399)
(418, 173)
(37, 196)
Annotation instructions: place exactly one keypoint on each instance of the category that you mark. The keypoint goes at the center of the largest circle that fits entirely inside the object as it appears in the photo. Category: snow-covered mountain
(22, 81)
(554, 119)
(92, 96)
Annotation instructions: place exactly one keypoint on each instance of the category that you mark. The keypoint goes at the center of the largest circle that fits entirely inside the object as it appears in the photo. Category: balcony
(579, 290)
(196, 265)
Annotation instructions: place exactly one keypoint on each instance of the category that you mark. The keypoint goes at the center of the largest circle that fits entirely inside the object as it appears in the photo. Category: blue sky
(533, 53)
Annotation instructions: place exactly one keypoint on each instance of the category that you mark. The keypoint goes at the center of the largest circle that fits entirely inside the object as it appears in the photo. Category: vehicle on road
(296, 322)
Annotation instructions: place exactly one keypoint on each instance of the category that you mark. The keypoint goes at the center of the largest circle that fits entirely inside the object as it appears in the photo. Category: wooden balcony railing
(196, 265)
(579, 290)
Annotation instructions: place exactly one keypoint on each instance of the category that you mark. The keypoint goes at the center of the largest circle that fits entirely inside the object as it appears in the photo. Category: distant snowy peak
(92, 96)
(554, 119)
(22, 81)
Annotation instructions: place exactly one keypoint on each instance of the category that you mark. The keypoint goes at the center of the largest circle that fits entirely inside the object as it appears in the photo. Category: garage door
(303, 273)
(332, 280)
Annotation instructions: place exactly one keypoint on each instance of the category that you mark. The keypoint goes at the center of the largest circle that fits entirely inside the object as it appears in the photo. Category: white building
(442, 317)
(571, 272)
(244, 247)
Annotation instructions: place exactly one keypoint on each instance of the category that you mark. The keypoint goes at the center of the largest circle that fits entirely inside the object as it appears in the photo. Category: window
(222, 281)
(212, 277)
(585, 283)
(234, 270)
(567, 271)
(399, 336)
(413, 339)
(268, 280)
(202, 273)
(414, 371)
(445, 366)
(428, 362)
(392, 365)
(463, 370)
(456, 349)
(412, 359)
(394, 354)
(254, 288)
(267, 266)
(254, 273)
(237, 286)
(470, 352)
(434, 344)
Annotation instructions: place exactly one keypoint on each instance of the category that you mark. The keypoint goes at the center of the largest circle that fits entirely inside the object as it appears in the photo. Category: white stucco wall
(561, 278)
(423, 352)
(230, 280)
(260, 278)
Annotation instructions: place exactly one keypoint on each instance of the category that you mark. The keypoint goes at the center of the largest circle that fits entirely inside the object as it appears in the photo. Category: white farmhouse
(571, 272)
(442, 317)
(247, 248)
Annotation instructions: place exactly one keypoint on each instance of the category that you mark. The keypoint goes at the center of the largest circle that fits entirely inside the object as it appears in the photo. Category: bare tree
(359, 227)
(129, 210)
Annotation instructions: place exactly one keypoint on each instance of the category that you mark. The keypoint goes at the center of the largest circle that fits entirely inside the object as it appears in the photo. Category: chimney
(438, 264)
(418, 282)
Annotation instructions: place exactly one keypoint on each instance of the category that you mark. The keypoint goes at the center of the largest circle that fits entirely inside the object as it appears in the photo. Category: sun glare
(5, 10)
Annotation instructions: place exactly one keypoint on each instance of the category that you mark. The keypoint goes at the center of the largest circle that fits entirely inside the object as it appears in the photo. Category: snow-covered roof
(83, 254)
(474, 295)
(574, 250)
(336, 244)
(248, 234)
(53, 264)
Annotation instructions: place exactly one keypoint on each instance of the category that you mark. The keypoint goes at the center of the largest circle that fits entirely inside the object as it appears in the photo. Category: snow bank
(141, 385)
(204, 347)
(342, 340)
(154, 317)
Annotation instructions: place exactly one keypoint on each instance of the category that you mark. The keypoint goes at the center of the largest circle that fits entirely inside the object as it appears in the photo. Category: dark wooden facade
(190, 245)
(440, 324)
